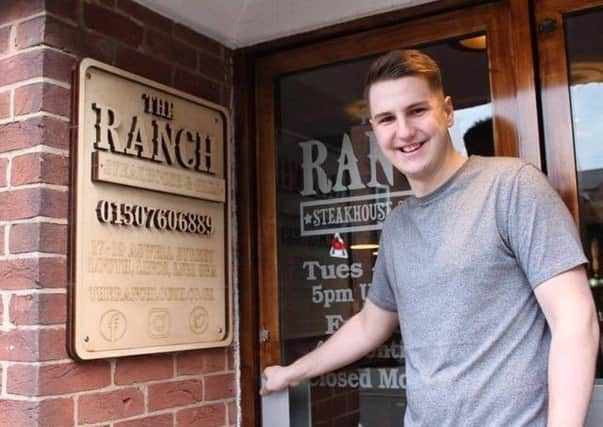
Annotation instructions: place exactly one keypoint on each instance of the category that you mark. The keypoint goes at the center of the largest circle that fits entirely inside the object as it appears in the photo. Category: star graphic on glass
(307, 219)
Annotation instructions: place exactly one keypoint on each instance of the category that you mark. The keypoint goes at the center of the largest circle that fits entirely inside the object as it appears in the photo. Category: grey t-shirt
(459, 266)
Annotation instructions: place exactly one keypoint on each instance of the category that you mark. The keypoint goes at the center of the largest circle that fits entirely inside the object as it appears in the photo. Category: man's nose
(405, 128)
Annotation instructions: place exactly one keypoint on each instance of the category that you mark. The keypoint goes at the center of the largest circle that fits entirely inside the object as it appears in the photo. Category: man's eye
(385, 119)
(418, 111)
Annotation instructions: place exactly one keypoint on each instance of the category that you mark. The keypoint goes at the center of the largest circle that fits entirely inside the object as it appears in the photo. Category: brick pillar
(40, 43)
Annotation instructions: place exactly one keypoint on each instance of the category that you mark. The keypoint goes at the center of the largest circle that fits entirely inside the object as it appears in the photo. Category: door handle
(275, 409)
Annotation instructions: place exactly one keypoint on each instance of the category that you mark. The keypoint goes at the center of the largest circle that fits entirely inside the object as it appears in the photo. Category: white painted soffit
(241, 23)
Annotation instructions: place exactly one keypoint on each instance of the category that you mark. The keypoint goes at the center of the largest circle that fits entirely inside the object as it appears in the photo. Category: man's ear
(449, 111)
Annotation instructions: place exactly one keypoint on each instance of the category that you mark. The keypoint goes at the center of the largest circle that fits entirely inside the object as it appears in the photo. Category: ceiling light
(474, 43)
(360, 246)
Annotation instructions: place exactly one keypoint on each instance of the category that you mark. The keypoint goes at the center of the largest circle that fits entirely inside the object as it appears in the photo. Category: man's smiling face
(411, 122)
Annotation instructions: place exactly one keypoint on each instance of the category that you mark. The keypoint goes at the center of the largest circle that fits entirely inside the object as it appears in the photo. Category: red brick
(38, 97)
(3, 172)
(213, 415)
(30, 33)
(36, 63)
(2, 228)
(110, 405)
(38, 237)
(219, 386)
(31, 202)
(108, 3)
(201, 362)
(198, 40)
(22, 66)
(58, 65)
(184, 55)
(35, 131)
(38, 309)
(52, 344)
(145, 368)
(148, 17)
(144, 65)
(156, 421)
(33, 345)
(4, 105)
(36, 168)
(197, 85)
(11, 10)
(112, 24)
(19, 345)
(161, 45)
(4, 40)
(47, 412)
(231, 358)
(49, 31)
(65, 8)
(30, 273)
(31, 380)
(56, 412)
(212, 67)
(97, 47)
(62, 36)
(174, 393)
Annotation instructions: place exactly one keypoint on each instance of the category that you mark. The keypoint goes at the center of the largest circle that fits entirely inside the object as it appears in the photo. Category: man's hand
(276, 378)
(361, 334)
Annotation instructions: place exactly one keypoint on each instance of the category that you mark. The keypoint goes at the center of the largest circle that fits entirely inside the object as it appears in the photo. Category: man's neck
(453, 163)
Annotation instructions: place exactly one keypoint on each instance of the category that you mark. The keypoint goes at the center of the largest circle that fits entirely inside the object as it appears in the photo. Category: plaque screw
(88, 76)
(86, 339)
(219, 330)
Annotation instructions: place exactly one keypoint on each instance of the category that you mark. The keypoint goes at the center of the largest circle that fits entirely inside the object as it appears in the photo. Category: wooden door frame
(252, 156)
(555, 95)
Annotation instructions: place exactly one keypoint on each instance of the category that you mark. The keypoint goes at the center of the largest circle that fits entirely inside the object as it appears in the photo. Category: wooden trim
(515, 100)
(493, 18)
(504, 104)
(378, 40)
(523, 64)
(361, 24)
(247, 248)
(516, 124)
(565, 6)
(556, 104)
(267, 228)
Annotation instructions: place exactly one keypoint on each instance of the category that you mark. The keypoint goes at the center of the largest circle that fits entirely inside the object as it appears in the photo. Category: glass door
(572, 100)
(325, 190)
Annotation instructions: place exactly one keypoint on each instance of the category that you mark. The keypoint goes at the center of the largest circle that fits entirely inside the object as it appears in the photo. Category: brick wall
(40, 43)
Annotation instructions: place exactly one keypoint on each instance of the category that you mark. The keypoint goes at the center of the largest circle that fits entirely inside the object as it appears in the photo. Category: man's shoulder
(502, 170)
(500, 164)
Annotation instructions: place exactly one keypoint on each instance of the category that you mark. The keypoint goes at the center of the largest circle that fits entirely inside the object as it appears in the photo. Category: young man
(483, 270)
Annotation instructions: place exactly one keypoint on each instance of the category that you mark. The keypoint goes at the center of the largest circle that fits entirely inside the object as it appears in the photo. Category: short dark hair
(403, 63)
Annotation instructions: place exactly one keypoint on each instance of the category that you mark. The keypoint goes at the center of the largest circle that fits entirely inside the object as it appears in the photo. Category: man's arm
(361, 334)
(567, 303)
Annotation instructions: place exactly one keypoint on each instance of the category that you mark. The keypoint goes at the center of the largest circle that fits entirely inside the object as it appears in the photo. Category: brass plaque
(150, 231)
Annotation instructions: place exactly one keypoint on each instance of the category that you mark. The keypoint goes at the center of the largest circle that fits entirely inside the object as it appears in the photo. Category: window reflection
(585, 59)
